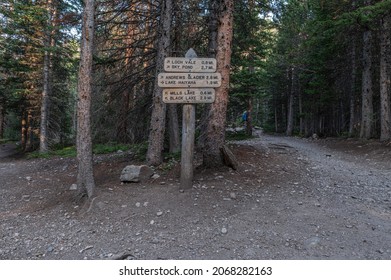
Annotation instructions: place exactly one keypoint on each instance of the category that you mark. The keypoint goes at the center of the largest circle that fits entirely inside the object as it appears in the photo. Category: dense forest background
(298, 67)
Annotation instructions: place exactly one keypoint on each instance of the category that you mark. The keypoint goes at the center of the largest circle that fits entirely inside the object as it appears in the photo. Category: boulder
(135, 174)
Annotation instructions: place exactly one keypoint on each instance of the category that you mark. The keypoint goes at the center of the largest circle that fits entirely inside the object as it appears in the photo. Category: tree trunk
(43, 132)
(158, 118)
(2, 121)
(352, 90)
(367, 87)
(289, 126)
(49, 42)
(29, 132)
(215, 132)
(85, 177)
(122, 128)
(212, 48)
(23, 131)
(385, 80)
(173, 128)
(249, 122)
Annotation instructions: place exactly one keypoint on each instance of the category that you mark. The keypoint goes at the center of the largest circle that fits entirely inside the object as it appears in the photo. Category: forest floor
(291, 198)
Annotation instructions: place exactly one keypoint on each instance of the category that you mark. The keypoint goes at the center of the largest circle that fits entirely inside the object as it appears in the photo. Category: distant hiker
(244, 116)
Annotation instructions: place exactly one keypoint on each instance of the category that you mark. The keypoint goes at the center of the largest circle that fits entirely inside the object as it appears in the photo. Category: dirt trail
(291, 199)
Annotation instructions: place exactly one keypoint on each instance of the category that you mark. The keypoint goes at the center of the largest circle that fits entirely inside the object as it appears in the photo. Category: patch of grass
(140, 151)
(170, 156)
(71, 151)
(63, 152)
(5, 140)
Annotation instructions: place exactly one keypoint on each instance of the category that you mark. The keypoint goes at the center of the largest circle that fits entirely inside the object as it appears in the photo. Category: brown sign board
(192, 80)
(193, 65)
(189, 95)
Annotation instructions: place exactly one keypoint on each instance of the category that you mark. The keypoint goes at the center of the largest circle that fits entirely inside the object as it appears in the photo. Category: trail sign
(194, 80)
(183, 64)
(189, 80)
(189, 95)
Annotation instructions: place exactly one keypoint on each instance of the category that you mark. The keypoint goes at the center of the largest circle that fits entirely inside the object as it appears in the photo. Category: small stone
(155, 176)
(145, 204)
(232, 195)
(224, 230)
(312, 242)
(28, 178)
(73, 187)
(138, 204)
(300, 203)
(152, 222)
(159, 213)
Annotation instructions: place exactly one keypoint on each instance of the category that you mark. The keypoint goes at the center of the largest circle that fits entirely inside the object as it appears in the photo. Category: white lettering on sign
(197, 80)
(189, 95)
(182, 64)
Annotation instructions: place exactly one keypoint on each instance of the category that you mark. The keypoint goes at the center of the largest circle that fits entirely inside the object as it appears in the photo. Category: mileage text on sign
(183, 80)
(189, 95)
(192, 65)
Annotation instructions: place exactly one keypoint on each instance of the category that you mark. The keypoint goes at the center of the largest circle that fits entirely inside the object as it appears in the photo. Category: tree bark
(43, 133)
(215, 131)
(367, 86)
(85, 177)
(2, 121)
(385, 80)
(173, 127)
(212, 48)
(289, 127)
(352, 90)
(249, 119)
(158, 118)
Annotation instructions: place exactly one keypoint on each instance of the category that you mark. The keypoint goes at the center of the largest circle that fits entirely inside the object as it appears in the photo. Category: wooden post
(188, 132)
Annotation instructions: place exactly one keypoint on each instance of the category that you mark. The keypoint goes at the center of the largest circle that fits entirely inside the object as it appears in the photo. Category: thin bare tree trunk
(43, 132)
(385, 79)
(289, 127)
(158, 118)
(173, 127)
(352, 90)
(29, 132)
(85, 176)
(249, 119)
(367, 86)
(2, 121)
(215, 132)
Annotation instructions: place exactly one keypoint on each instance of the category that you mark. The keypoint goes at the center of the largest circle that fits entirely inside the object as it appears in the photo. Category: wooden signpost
(189, 80)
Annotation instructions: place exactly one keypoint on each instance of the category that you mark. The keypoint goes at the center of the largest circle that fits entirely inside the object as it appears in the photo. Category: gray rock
(312, 242)
(73, 187)
(155, 176)
(135, 174)
(224, 230)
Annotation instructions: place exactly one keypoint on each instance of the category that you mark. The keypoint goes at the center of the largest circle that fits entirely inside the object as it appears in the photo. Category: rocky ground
(290, 198)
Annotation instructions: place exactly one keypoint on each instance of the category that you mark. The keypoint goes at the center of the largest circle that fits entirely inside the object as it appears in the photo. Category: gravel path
(290, 199)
